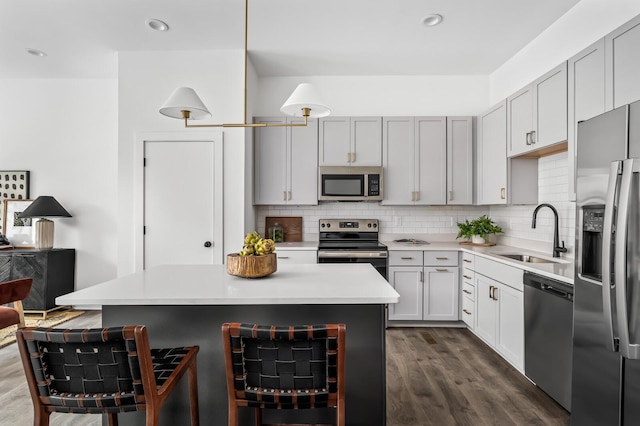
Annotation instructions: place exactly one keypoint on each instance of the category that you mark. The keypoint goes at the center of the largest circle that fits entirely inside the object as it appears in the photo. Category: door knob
(207, 244)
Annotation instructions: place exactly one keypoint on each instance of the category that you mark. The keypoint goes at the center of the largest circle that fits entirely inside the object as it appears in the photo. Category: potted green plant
(477, 229)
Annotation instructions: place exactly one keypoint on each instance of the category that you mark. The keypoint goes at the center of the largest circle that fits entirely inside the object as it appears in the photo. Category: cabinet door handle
(353, 157)
(502, 193)
(283, 257)
(441, 270)
(284, 195)
(413, 196)
(421, 276)
(450, 195)
(533, 136)
(406, 258)
(490, 292)
(466, 312)
(466, 291)
(467, 277)
(466, 260)
(442, 258)
(417, 195)
(528, 138)
(348, 157)
(288, 195)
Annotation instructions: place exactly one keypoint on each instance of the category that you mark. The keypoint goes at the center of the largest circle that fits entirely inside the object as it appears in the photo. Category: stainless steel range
(352, 241)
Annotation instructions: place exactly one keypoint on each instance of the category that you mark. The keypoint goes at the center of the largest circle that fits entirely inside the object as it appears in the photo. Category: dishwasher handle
(548, 285)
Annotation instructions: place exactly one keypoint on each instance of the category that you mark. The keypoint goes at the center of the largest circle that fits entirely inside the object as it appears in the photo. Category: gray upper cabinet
(537, 114)
(285, 163)
(460, 160)
(623, 64)
(415, 154)
(586, 96)
(350, 141)
(492, 156)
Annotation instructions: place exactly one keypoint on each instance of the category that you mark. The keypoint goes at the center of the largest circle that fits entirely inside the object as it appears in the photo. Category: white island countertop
(313, 284)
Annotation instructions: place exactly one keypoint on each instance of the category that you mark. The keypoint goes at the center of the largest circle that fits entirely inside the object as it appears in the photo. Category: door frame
(216, 137)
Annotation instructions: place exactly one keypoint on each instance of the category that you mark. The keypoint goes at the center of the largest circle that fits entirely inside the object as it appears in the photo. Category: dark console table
(53, 273)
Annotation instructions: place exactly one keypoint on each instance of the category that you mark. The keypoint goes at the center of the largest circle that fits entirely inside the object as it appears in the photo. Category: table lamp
(42, 207)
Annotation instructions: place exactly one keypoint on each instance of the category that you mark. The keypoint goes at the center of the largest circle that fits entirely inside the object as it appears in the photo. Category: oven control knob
(369, 225)
(375, 225)
(322, 225)
(328, 225)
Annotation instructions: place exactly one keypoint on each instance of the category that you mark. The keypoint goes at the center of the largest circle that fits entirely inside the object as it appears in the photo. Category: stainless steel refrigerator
(606, 335)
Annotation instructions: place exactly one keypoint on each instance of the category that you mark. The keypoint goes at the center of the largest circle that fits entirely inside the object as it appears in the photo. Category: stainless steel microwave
(336, 183)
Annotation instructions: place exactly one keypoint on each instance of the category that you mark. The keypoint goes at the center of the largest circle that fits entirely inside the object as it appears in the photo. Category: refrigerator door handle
(607, 234)
(627, 349)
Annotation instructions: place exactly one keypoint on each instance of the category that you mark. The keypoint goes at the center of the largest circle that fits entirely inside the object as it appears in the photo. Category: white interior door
(180, 224)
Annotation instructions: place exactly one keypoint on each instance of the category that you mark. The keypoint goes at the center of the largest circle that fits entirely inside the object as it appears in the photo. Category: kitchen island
(185, 305)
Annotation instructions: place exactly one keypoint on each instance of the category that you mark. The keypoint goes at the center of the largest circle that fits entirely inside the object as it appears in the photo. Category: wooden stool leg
(113, 419)
(193, 394)
(258, 416)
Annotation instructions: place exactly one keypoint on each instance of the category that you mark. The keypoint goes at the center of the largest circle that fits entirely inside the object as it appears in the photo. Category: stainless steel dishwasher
(548, 328)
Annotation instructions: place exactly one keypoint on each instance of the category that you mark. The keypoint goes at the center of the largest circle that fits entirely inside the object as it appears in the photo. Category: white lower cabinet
(500, 316)
(428, 289)
(296, 256)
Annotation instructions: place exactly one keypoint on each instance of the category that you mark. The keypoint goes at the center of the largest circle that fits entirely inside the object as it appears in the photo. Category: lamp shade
(305, 96)
(44, 206)
(185, 99)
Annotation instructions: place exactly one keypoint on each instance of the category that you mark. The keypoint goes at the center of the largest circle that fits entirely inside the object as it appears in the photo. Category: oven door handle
(351, 254)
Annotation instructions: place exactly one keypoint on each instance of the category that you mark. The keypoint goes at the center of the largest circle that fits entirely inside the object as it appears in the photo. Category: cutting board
(292, 226)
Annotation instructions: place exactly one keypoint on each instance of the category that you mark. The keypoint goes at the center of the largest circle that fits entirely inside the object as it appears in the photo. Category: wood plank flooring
(435, 376)
(447, 376)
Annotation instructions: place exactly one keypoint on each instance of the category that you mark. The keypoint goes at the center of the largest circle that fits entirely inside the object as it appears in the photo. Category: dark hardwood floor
(447, 376)
(435, 376)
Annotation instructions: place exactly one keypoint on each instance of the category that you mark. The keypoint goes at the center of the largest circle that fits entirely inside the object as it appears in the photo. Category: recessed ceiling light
(36, 52)
(156, 24)
(431, 20)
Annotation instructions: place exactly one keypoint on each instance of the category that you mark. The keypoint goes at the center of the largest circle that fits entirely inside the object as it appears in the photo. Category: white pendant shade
(305, 96)
(185, 99)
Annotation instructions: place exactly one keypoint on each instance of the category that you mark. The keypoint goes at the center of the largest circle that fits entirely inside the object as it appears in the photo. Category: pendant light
(184, 103)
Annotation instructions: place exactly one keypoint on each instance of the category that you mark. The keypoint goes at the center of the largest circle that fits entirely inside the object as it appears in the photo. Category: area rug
(8, 335)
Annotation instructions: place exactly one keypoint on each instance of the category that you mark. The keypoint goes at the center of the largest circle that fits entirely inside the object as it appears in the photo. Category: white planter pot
(476, 239)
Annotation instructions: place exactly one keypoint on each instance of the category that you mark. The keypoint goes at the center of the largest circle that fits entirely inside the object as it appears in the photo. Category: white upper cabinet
(415, 154)
(460, 160)
(492, 156)
(623, 64)
(350, 141)
(586, 95)
(537, 114)
(285, 163)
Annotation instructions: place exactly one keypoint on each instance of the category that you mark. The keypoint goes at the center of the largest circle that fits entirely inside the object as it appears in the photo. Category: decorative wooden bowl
(251, 266)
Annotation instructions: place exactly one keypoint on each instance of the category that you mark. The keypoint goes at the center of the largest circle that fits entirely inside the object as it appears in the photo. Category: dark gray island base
(184, 325)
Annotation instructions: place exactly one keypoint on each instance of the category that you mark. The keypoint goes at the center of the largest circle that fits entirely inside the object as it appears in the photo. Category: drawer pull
(441, 270)
(283, 257)
(406, 258)
(25, 255)
(466, 291)
(467, 277)
(442, 258)
(466, 260)
(466, 312)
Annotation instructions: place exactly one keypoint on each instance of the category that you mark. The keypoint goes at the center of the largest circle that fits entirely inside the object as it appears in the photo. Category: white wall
(386, 95)
(65, 133)
(146, 79)
(585, 23)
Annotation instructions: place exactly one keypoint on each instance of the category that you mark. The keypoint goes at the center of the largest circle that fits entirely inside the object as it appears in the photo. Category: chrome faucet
(556, 248)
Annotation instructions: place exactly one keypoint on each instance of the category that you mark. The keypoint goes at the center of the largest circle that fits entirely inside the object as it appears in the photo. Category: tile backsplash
(515, 220)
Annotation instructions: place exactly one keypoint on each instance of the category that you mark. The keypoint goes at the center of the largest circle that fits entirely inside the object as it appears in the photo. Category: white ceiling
(286, 37)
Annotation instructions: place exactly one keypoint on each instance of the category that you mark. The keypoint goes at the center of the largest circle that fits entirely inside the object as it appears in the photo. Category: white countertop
(311, 284)
(301, 245)
(561, 271)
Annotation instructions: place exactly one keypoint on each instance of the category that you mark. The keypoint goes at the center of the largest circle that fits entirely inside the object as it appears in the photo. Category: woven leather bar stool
(13, 291)
(284, 367)
(103, 371)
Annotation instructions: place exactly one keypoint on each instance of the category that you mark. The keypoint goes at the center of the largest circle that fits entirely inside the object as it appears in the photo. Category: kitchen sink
(527, 258)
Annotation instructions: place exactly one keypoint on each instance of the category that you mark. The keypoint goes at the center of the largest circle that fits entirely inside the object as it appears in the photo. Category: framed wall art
(14, 185)
(19, 231)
